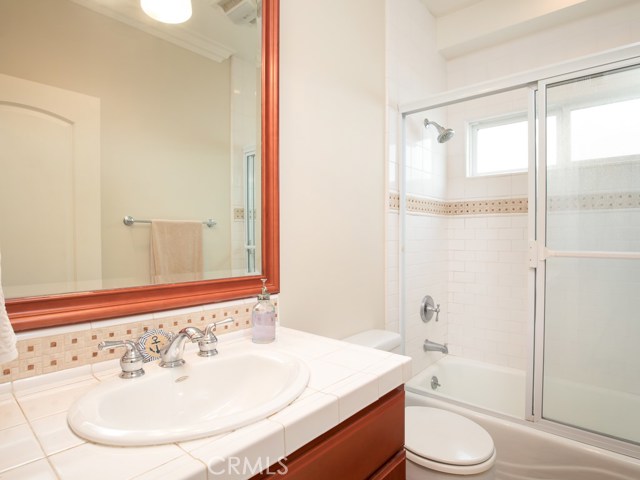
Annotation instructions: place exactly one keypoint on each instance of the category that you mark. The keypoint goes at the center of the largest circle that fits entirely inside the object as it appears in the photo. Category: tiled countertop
(36, 442)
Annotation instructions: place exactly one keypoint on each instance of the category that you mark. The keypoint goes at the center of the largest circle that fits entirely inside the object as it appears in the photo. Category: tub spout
(430, 346)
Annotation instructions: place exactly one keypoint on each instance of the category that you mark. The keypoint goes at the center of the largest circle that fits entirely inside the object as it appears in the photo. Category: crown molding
(176, 34)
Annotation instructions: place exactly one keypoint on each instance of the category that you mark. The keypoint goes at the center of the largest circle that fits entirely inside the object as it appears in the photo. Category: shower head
(444, 134)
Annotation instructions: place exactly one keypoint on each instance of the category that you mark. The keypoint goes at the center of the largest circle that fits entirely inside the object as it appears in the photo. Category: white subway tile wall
(392, 317)
(427, 273)
(487, 289)
(475, 267)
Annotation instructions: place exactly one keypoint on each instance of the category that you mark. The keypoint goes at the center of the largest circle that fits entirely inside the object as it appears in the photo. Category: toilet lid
(446, 437)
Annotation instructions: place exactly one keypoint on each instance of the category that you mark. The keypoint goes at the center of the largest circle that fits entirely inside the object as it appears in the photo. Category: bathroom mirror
(206, 162)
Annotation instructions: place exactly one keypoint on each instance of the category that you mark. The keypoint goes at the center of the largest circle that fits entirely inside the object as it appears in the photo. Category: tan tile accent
(488, 207)
(595, 201)
(394, 201)
(30, 348)
(59, 352)
(472, 207)
(238, 213)
(29, 367)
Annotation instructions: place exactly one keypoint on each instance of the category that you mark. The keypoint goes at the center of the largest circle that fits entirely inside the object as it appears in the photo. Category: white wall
(332, 164)
(608, 30)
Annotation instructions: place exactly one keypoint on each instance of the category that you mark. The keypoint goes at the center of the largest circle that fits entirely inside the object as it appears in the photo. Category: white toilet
(440, 445)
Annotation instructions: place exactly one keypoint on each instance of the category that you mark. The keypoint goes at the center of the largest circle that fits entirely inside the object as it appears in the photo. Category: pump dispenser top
(264, 295)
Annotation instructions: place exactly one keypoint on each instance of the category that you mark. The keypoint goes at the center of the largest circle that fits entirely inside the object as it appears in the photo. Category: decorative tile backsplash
(53, 349)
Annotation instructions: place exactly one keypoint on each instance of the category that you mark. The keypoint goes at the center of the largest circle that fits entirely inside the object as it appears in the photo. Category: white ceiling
(464, 26)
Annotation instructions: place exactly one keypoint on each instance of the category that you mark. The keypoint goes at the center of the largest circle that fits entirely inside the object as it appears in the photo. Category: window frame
(472, 127)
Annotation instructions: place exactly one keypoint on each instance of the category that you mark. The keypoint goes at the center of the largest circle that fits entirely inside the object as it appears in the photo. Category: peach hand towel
(176, 251)
(8, 349)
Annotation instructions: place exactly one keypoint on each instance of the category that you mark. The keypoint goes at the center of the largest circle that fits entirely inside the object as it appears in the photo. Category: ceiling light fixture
(167, 11)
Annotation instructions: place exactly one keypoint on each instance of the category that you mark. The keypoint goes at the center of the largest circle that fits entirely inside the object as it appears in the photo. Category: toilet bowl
(446, 445)
(440, 445)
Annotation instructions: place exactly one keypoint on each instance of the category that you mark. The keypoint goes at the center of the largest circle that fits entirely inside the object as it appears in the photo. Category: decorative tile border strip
(596, 201)
(52, 353)
(488, 207)
(423, 205)
(472, 207)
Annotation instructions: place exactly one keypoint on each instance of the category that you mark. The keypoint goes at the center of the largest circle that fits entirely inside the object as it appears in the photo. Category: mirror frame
(29, 313)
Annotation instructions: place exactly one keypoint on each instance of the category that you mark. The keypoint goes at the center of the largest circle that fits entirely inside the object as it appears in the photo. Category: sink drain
(181, 379)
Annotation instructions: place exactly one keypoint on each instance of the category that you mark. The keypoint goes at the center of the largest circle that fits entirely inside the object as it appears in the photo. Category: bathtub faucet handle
(427, 308)
(437, 310)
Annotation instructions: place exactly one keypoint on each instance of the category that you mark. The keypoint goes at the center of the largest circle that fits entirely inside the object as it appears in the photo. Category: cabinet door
(394, 469)
(357, 449)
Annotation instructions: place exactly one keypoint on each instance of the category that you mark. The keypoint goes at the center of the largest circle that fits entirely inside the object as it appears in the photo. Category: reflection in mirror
(106, 113)
(33, 312)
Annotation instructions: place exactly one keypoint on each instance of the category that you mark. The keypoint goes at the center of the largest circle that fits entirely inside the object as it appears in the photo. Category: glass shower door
(591, 174)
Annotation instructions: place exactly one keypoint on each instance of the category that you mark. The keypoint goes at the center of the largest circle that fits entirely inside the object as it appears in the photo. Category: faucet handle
(132, 360)
(427, 308)
(212, 326)
(209, 342)
(437, 310)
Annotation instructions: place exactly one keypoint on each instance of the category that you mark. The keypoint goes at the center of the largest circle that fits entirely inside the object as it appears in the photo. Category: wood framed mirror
(27, 313)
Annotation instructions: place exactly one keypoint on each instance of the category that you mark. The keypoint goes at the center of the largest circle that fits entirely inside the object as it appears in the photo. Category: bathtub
(479, 384)
(524, 451)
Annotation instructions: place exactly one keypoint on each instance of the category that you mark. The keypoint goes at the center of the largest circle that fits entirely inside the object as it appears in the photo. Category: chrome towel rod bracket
(129, 220)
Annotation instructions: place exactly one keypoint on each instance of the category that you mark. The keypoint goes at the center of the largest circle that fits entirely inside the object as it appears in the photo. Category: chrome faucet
(208, 343)
(131, 362)
(171, 354)
(430, 346)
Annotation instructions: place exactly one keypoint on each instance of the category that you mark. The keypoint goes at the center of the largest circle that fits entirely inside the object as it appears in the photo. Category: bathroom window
(498, 146)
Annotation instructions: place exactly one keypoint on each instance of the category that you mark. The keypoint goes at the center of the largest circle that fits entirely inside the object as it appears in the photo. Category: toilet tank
(379, 339)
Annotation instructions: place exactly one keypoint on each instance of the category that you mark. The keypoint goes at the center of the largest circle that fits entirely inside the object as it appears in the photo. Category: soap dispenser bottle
(263, 318)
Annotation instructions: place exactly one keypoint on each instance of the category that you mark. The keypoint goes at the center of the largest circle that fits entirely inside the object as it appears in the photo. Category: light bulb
(167, 11)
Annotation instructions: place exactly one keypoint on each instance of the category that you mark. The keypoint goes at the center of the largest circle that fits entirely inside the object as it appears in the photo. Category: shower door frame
(536, 81)
(539, 253)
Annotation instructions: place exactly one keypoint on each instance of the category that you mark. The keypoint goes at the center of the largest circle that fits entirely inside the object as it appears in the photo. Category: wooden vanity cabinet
(367, 446)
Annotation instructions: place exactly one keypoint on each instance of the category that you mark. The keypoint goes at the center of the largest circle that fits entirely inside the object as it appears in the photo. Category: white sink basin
(207, 396)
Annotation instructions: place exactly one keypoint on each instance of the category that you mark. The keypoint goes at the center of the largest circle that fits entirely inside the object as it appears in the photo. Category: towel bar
(129, 220)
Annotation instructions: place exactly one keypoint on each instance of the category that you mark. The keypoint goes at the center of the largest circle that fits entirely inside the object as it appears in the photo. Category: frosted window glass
(605, 131)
